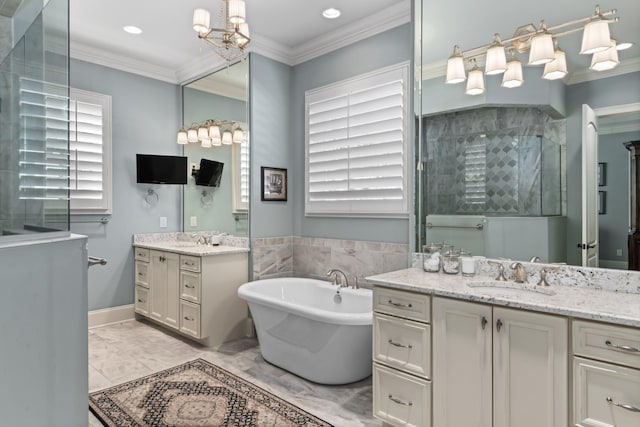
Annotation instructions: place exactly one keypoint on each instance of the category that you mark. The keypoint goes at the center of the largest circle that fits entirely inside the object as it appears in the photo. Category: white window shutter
(240, 178)
(357, 145)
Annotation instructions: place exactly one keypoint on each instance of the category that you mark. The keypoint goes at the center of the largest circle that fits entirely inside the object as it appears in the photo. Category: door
(530, 353)
(589, 243)
(462, 374)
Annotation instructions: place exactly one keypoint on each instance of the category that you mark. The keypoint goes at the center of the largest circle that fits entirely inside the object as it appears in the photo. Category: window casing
(357, 133)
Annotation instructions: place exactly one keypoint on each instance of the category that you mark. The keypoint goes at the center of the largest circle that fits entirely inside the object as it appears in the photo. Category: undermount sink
(509, 288)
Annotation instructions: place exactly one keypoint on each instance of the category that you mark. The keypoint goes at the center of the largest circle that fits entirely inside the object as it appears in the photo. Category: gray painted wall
(146, 117)
(388, 48)
(618, 90)
(271, 144)
(614, 224)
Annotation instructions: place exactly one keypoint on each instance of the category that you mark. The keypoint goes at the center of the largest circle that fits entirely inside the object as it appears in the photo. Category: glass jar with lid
(431, 255)
(451, 262)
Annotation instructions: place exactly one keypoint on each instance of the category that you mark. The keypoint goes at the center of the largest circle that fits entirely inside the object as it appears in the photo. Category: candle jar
(467, 264)
(431, 255)
(451, 262)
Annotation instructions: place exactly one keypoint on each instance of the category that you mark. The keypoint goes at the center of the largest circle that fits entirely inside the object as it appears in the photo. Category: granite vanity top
(191, 248)
(622, 308)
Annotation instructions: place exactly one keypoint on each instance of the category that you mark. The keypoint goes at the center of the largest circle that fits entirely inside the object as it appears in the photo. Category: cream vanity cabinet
(195, 295)
(402, 357)
(500, 367)
(606, 375)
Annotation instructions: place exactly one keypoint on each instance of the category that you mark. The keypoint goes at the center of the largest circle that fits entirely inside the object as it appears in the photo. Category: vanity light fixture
(542, 45)
(231, 36)
(212, 133)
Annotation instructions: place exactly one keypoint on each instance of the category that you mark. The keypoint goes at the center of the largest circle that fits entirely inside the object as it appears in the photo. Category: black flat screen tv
(210, 173)
(157, 169)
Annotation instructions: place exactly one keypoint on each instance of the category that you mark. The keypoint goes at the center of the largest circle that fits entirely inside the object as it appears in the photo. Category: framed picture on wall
(602, 202)
(602, 174)
(274, 184)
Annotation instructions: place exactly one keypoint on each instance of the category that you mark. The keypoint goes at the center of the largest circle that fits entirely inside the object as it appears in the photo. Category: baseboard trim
(108, 316)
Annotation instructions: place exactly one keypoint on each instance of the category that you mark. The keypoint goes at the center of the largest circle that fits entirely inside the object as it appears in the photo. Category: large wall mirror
(501, 172)
(220, 205)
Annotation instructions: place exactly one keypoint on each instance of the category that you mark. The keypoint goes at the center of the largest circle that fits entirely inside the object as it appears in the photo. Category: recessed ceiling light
(331, 13)
(624, 45)
(132, 29)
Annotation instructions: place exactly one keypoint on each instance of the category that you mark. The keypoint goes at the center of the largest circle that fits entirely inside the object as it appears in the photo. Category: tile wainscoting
(312, 257)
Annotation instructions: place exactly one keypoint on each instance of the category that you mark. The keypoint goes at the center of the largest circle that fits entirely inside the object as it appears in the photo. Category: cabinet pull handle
(191, 264)
(189, 286)
(400, 345)
(139, 300)
(484, 322)
(622, 347)
(397, 304)
(623, 405)
(399, 401)
(190, 319)
(499, 325)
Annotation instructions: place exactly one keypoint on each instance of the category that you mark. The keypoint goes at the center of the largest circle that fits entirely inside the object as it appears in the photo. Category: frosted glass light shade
(513, 76)
(455, 67)
(227, 138)
(192, 135)
(216, 142)
(475, 82)
(201, 20)
(595, 37)
(203, 133)
(557, 68)
(242, 36)
(214, 132)
(605, 60)
(496, 60)
(238, 136)
(182, 137)
(236, 11)
(206, 143)
(541, 49)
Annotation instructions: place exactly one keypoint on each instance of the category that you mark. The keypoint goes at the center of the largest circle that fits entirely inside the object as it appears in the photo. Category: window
(475, 171)
(357, 135)
(240, 160)
(90, 152)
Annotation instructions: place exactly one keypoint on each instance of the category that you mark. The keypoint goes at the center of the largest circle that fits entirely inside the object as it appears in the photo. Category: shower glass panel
(34, 117)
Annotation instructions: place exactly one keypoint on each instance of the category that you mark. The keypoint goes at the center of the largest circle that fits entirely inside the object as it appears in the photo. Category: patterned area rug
(196, 394)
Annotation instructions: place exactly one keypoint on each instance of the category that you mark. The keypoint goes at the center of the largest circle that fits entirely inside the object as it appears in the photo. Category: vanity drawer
(141, 254)
(190, 318)
(142, 301)
(401, 303)
(190, 286)
(401, 399)
(597, 382)
(403, 344)
(142, 273)
(191, 263)
(611, 343)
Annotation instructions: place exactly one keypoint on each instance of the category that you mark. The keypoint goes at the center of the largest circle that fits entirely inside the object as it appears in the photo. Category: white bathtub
(301, 329)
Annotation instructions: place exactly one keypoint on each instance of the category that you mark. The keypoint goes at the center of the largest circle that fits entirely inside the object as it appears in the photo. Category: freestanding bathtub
(301, 328)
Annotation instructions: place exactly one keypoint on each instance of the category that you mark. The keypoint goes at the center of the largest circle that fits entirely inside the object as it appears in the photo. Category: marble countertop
(189, 248)
(572, 301)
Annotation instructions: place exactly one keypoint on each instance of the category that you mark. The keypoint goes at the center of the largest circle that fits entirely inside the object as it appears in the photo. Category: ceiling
(291, 31)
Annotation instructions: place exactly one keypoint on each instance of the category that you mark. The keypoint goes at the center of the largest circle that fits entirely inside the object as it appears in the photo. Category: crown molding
(219, 88)
(626, 66)
(83, 52)
(200, 66)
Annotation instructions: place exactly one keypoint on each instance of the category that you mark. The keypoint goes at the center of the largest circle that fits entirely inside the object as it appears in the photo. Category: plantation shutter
(356, 146)
(90, 152)
(241, 174)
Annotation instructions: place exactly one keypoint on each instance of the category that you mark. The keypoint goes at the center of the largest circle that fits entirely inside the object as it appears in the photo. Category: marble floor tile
(128, 350)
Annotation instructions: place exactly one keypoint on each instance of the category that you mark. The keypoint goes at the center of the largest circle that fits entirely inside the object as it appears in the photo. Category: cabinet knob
(139, 300)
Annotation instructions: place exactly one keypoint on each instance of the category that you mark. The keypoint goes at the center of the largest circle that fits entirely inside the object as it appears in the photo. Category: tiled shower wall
(313, 257)
(519, 162)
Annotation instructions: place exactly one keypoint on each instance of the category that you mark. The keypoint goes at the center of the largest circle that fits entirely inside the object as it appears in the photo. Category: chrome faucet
(519, 273)
(338, 280)
(201, 239)
(535, 258)
(543, 275)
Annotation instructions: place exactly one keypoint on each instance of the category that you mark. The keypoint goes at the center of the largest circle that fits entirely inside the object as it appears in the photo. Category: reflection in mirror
(501, 171)
(216, 197)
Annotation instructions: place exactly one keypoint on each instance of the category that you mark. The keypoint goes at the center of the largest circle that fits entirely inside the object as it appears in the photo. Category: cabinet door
(462, 378)
(530, 369)
(158, 286)
(172, 310)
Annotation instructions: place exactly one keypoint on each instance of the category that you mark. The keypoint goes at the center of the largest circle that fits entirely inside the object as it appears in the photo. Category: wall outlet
(619, 252)
(163, 222)
(193, 221)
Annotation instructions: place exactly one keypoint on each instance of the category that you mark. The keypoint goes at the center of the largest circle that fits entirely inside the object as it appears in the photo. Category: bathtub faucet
(340, 281)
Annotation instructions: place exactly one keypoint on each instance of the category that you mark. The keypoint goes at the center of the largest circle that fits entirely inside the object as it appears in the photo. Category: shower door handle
(95, 261)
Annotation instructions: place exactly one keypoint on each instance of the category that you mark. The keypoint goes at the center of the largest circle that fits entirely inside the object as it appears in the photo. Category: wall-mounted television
(210, 173)
(157, 169)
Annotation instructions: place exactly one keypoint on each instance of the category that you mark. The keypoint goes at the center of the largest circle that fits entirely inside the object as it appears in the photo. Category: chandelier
(543, 49)
(212, 133)
(232, 34)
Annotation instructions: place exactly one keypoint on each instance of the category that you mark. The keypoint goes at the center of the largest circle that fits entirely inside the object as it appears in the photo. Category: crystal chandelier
(231, 36)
